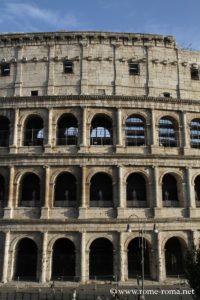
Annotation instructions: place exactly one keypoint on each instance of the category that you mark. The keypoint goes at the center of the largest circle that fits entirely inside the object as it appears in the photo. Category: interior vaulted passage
(65, 192)
(101, 190)
(33, 131)
(26, 260)
(136, 191)
(4, 131)
(101, 259)
(101, 132)
(2, 191)
(135, 131)
(64, 260)
(67, 130)
(30, 190)
(168, 132)
(169, 191)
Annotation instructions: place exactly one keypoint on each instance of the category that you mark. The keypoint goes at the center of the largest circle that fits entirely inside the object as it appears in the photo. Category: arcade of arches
(66, 259)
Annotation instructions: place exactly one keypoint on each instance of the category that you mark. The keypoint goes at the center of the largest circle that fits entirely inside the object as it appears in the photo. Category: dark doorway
(30, 190)
(4, 131)
(135, 258)
(65, 190)
(34, 131)
(101, 259)
(64, 260)
(174, 257)
(197, 190)
(26, 260)
(67, 130)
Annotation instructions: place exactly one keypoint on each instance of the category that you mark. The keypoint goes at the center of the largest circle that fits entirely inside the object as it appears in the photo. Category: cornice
(52, 98)
(84, 37)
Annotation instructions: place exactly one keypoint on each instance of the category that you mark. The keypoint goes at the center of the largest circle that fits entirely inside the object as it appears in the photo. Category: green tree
(192, 268)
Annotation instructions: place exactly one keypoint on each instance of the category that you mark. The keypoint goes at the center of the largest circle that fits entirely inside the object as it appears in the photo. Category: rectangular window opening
(194, 74)
(134, 69)
(34, 93)
(5, 70)
(167, 95)
(68, 67)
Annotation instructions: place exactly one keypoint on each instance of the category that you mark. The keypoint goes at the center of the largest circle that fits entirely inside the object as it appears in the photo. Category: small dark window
(194, 74)
(167, 95)
(68, 67)
(5, 70)
(133, 69)
(34, 93)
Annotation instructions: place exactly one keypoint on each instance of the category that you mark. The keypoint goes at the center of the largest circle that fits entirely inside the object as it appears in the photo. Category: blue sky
(168, 17)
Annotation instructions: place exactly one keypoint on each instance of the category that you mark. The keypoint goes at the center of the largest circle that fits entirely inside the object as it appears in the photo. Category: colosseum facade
(97, 131)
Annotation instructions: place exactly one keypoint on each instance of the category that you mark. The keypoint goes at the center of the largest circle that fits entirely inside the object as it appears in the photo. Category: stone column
(122, 254)
(157, 189)
(84, 200)
(43, 276)
(50, 87)
(45, 208)
(154, 130)
(84, 127)
(190, 192)
(185, 136)
(8, 210)
(14, 142)
(160, 259)
(6, 260)
(84, 69)
(119, 128)
(49, 131)
(18, 80)
(121, 193)
(83, 273)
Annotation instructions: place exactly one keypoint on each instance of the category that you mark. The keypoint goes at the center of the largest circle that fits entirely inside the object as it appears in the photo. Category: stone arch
(101, 259)
(26, 257)
(30, 190)
(4, 131)
(63, 260)
(65, 189)
(168, 131)
(101, 130)
(33, 130)
(134, 252)
(136, 190)
(127, 114)
(135, 130)
(174, 256)
(101, 189)
(67, 129)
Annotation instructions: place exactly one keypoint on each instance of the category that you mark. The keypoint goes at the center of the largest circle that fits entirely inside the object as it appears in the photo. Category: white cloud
(28, 17)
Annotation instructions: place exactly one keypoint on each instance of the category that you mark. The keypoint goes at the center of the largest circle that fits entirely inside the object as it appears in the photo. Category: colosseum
(99, 133)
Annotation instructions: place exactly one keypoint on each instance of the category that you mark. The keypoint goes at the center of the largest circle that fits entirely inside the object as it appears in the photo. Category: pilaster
(8, 210)
(50, 87)
(6, 257)
(44, 258)
(18, 80)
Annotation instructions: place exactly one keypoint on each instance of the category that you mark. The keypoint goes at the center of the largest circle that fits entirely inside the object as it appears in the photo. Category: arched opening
(168, 134)
(65, 190)
(30, 190)
(135, 131)
(135, 258)
(101, 190)
(2, 191)
(101, 259)
(26, 260)
(174, 258)
(169, 191)
(136, 191)
(67, 130)
(195, 133)
(197, 190)
(34, 131)
(4, 131)
(101, 132)
(64, 260)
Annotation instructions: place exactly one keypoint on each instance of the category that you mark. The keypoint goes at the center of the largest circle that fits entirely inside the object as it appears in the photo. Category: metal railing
(33, 137)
